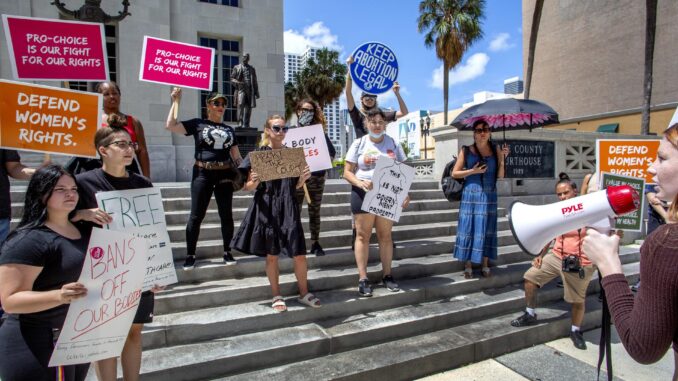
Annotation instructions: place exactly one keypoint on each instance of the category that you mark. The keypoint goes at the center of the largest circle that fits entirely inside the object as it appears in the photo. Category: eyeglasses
(123, 145)
(481, 130)
(277, 129)
(218, 104)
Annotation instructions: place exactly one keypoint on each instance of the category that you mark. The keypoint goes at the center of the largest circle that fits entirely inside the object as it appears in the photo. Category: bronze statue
(91, 11)
(244, 78)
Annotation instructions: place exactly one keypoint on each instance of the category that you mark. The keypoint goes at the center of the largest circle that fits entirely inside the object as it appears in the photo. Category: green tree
(293, 93)
(323, 78)
(452, 26)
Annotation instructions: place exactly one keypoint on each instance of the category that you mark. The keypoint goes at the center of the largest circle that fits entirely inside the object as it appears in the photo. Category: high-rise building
(294, 63)
(513, 86)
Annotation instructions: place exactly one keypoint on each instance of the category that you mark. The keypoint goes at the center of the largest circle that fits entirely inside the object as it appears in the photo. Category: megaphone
(534, 226)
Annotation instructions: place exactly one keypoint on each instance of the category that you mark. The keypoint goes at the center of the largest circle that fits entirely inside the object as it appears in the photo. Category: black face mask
(306, 117)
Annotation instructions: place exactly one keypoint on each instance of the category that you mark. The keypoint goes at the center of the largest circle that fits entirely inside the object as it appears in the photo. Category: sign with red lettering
(391, 183)
(176, 63)
(56, 50)
(626, 157)
(312, 140)
(97, 325)
(140, 212)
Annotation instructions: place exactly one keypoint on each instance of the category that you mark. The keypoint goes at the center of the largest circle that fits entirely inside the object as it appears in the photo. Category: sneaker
(317, 249)
(228, 258)
(578, 339)
(364, 287)
(189, 264)
(390, 283)
(524, 320)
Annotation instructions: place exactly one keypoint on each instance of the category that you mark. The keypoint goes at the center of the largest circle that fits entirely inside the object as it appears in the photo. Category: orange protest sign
(626, 157)
(48, 119)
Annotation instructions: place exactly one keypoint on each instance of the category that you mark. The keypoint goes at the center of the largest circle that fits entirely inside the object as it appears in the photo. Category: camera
(571, 264)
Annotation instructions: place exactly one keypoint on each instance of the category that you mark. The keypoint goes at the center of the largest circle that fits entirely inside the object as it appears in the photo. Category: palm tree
(650, 27)
(452, 26)
(293, 94)
(534, 31)
(323, 78)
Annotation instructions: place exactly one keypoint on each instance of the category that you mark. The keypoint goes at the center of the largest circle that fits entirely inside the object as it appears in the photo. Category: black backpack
(452, 188)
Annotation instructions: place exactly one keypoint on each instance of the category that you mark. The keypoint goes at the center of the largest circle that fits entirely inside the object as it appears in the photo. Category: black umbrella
(514, 114)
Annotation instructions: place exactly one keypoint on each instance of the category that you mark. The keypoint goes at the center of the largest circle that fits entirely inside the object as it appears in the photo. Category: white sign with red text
(312, 140)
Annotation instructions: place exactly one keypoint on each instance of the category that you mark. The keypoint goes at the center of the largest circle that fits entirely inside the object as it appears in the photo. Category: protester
(477, 229)
(272, 224)
(567, 261)
(361, 160)
(215, 171)
(648, 323)
(40, 264)
(111, 93)
(116, 149)
(309, 113)
(657, 213)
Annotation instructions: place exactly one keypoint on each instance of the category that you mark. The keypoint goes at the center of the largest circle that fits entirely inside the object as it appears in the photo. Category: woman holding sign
(116, 149)
(361, 160)
(309, 113)
(40, 264)
(216, 158)
(272, 224)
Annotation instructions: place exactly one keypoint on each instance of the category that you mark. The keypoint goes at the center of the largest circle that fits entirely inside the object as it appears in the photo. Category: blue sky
(343, 25)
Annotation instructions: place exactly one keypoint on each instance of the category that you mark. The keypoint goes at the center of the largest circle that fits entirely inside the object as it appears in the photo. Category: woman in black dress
(272, 225)
(40, 264)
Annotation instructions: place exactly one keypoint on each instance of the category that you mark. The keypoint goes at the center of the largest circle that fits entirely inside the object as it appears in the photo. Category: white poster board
(391, 183)
(140, 212)
(97, 325)
(312, 140)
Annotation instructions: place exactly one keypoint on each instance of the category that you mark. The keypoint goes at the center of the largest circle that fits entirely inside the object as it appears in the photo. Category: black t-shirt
(61, 260)
(358, 120)
(6, 155)
(213, 141)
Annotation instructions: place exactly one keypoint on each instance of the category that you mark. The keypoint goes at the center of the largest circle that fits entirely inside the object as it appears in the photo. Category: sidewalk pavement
(560, 360)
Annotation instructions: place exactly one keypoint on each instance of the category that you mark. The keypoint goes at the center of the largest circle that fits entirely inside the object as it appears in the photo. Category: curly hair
(318, 115)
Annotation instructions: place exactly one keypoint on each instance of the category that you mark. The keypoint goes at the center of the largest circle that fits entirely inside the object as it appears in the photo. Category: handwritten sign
(374, 68)
(48, 119)
(97, 325)
(278, 163)
(631, 221)
(312, 140)
(391, 182)
(140, 212)
(47, 49)
(626, 157)
(176, 63)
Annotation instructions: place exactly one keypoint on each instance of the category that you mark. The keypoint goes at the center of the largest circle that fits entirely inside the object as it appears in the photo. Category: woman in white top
(361, 160)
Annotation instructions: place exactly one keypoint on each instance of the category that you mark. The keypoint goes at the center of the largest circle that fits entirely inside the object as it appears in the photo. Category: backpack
(452, 188)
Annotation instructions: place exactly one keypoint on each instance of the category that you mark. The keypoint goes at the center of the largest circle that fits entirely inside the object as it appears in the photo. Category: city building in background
(411, 131)
(513, 86)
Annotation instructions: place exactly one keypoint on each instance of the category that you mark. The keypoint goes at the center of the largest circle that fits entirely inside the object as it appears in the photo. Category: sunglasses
(481, 130)
(218, 104)
(277, 129)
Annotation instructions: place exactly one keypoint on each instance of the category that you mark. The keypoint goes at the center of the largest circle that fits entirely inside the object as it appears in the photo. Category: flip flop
(486, 272)
(468, 273)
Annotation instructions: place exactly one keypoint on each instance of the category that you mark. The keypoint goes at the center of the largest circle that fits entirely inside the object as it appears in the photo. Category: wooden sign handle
(308, 197)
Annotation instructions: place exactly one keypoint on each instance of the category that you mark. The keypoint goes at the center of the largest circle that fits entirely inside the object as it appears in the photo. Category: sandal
(278, 304)
(468, 273)
(310, 300)
(486, 272)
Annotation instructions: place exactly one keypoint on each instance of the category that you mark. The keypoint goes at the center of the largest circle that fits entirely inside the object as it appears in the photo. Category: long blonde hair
(671, 134)
(267, 125)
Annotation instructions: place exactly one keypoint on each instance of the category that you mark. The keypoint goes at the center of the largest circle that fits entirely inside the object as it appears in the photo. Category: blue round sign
(374, 68)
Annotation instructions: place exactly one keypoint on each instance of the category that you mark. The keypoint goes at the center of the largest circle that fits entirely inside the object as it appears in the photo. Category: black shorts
(357, 197)
(145, 311)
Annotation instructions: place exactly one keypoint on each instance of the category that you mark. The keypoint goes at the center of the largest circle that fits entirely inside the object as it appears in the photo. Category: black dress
(272, 224)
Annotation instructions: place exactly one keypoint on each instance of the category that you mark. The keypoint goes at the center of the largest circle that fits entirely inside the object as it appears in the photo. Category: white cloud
(474, 67)
(501, 42)
(316, 35)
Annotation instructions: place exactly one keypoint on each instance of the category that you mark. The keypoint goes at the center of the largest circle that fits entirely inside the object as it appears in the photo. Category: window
(110, 33)
(230, 3)
(227, 55)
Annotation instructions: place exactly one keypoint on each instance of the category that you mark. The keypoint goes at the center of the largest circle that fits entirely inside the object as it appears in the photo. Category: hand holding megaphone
(603, 250)
(534, 226)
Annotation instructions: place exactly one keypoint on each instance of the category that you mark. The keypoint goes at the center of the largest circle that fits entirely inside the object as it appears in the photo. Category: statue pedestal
(247, 139)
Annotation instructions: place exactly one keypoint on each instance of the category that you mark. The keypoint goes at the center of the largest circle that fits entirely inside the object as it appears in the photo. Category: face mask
(306, 117)
(377, 135)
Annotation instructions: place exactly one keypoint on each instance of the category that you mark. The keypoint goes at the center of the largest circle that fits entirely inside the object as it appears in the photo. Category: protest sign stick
(308, 197)
(175, 108)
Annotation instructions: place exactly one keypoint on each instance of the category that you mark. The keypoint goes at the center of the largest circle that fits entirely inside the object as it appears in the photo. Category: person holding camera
(567, 260)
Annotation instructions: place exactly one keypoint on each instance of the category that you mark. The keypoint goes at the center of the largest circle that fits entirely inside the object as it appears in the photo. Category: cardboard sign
(278, 163)
(626, 157)
(140, 212)
(97, 325)
(57, 50)
(48, 119)
(176, 63)
(312, 140)
(391, 182)
(631, 221)
(374, 67)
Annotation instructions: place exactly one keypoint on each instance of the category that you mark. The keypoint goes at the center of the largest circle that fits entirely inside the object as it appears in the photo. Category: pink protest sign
(176, 63)
(58, 50)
